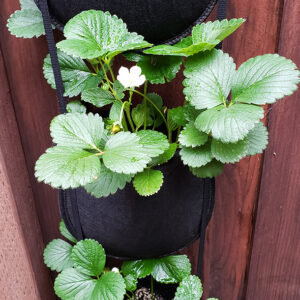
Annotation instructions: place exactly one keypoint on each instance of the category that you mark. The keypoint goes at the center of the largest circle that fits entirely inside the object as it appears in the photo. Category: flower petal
(135, 71)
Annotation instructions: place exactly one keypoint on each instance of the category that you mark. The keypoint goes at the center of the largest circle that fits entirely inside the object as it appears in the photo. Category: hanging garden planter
(158, 21)
(140, 180)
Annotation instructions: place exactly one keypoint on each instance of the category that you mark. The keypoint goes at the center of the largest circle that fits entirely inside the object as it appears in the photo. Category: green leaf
(72, 284)
(97, 97)
(229, 124)
(75, 74)
(189, 289)
(177, 115)
(115, 111)
(265, 79)
(257, 139)
(131, 283)
(210, 170)
(228, 152)
(208, 80)
(148, 182)
(78, 130)
(119, 89)
(28, 4)
(154, 142)
(57, 255)
(93, 34)
(138, 268)
(26, 23)
(204, 37)
(88, 257)
(164, 157)
(124, 153)
(171, 269)
(67, 167)
(110, 286)
(108, 183)
(196, 157)
(138, 115)
(154, 117)
(159, 69)
(76, 107)
(65, 232)
(192, 137)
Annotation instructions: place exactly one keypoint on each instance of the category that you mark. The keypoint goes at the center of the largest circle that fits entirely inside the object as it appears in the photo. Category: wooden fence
(253, 240)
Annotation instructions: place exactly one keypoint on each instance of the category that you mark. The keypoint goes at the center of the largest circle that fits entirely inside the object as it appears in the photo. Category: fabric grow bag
(130, 226)
(157, 20)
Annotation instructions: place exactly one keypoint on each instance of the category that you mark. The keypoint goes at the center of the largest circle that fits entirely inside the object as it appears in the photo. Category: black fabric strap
(43, 5)
(208, 202)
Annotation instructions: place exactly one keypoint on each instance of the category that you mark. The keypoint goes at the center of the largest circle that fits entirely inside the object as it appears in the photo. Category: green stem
(107, 61)
(145, 105)
(159, 111)
(128, 296)
(152, 288)
(127, 109)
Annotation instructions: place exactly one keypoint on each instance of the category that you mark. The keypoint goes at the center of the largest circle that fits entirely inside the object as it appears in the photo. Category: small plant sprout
(131, 78)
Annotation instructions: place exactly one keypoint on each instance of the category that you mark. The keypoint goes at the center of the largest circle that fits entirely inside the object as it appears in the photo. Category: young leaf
(228, 152)
(119, 89)
(72, 284)
(78, 130)
(76, 107)
(57, 255)
(88, 257)
(93, 34)
(196, 157)
(190, 288)
(177, 115)
(148, 182)
(204, 37)
(229, 124)
(210, 170)
(192, 137)
(131, 282)
(138, 115)
(75, 74)
(164, 157)
(257, 139)
(208, 78)
(154, 142)
(26, 23)
(115, 111)
(67, 167)
(108, 183)
(171, 269)
(159, 69)
(265, 79)
(97, 97)
(138, 268)
(124, 153)
(65, 232)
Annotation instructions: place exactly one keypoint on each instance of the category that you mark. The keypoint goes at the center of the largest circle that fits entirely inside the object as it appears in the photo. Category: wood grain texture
(23, 273)
(229, 235)
(275, 262)
(35, 105)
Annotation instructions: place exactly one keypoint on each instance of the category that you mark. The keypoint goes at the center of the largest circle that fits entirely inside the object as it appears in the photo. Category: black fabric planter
(157, 20)
(132, 227)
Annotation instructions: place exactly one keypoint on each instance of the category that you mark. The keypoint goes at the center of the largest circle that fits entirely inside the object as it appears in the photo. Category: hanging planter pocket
(158, 21)
(130, 226)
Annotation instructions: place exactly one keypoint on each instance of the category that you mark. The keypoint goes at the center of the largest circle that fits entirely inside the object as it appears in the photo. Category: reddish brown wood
(35, 105)
(228, 240)
(275, 262)
(23, 273)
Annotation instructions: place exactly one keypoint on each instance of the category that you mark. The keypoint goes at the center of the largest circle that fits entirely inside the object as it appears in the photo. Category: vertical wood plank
(229, 234)
(35, 105)
(23, 273)
(275, 262)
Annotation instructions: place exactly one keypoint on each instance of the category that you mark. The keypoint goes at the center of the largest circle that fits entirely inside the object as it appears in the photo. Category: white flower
(116, 270)
(131, 78)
